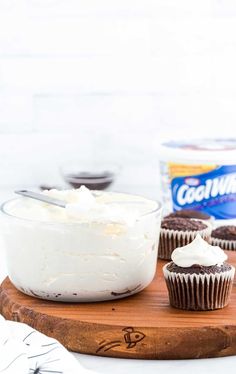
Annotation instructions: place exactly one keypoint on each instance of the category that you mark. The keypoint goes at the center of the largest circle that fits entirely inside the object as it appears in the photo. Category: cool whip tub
(201, 175)
(102, 246)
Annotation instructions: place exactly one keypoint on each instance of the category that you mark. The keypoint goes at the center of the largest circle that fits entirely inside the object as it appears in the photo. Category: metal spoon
(41, 197)
(61, 203)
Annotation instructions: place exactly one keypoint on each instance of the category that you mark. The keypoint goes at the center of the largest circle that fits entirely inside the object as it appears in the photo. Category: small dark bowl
(91, 175)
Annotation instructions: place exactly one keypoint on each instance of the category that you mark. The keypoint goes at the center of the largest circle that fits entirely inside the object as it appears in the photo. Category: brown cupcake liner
(228, 245)
(199, 291)
(171, 239)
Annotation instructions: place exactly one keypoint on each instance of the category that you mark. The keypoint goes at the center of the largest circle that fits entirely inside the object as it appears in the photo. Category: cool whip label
(213, 191)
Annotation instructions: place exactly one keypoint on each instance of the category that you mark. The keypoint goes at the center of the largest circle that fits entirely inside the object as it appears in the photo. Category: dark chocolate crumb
(189, 213)
(198, 269)
(183, 224)
(225, 232)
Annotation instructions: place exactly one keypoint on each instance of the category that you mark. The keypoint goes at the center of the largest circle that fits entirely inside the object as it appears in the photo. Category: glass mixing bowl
(80, 262)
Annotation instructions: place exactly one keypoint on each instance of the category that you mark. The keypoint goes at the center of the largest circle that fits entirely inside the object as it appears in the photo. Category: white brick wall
(101, 79)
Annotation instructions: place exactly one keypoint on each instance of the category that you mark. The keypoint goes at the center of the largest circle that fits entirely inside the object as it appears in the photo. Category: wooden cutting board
(140, 326)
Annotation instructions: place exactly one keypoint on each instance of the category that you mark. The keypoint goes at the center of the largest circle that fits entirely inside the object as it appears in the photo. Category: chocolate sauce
(93, 181)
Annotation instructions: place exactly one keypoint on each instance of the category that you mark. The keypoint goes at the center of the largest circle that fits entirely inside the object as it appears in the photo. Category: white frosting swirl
(198, 252)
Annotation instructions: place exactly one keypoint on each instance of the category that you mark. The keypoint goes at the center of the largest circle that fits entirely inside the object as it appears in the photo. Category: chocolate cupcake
(177, 232)
(224, 237)
(190, 213)
(198, 278)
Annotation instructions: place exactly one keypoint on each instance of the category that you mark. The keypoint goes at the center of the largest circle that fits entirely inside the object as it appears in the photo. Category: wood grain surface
(140, 326)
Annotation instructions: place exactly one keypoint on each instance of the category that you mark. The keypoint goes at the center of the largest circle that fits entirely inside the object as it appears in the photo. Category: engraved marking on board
(132, 337)
(107, 345)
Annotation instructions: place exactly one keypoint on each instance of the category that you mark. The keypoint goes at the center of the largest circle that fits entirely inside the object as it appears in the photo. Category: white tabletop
(125, 366)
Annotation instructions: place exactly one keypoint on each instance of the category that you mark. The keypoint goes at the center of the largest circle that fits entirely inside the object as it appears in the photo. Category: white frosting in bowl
(102, 246)
(83, 206)
(198, 252)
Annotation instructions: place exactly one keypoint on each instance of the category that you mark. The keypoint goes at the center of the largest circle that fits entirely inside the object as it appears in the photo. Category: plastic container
(200, 174)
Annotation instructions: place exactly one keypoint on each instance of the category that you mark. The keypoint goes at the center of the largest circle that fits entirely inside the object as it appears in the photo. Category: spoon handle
(41, 197)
